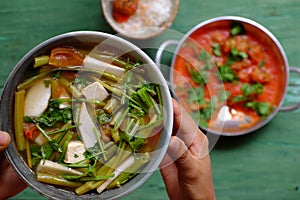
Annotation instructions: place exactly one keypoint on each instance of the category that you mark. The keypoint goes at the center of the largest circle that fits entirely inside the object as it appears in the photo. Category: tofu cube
(95, 91)
(75, 151)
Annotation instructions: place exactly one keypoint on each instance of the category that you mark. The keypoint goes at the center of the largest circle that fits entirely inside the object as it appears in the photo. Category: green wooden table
(261, 165)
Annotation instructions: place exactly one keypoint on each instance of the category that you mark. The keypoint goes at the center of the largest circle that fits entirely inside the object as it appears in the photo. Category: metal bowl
(228, 126)
(145, 31)
(7, 113)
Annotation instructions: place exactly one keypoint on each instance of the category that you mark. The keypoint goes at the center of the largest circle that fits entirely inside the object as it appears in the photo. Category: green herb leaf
(204, 114)
(200, 78)
(226, 73)
(217, 49)
(262, 63)
(52, 115)
(103, 118)
(134, 142)
(236, 56)
(223, 95)
(196, 95)
(262, 108)
(248, 90)
(203, 55)
(47, 83)
(55, 74)
(237, 29)
(141, 100)
(206, 58)
(239, 98)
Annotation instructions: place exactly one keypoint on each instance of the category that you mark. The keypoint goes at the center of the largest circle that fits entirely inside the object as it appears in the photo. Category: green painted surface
(261, 165)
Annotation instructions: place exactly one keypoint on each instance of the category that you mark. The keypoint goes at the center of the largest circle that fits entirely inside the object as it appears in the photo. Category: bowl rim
(26, 173)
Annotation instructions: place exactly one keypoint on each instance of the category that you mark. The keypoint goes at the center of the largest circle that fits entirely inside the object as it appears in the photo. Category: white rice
(150, 13)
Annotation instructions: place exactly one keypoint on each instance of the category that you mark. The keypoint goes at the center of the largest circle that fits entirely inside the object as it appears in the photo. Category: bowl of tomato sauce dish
(230, 73)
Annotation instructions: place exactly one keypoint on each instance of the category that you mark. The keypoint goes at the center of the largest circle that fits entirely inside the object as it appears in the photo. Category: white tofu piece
(92, 63)
(37, 99)
(95, 91)
(87, 127)
(75, 151)
(51, 167)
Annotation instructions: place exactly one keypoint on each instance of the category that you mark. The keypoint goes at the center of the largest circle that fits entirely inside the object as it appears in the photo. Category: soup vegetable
(87, 121)
(229, 73)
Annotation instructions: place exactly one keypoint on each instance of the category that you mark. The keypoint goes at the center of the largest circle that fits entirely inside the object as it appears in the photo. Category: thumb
(181, 155)
(4, 140)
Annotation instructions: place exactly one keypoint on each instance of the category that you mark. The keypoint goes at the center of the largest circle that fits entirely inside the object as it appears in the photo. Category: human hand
(10, 182)
(190, 175)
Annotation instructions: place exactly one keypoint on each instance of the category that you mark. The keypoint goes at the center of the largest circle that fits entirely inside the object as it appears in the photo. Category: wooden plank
(262, 165)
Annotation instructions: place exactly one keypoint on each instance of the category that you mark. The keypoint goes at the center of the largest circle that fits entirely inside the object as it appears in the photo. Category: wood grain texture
(261, 165)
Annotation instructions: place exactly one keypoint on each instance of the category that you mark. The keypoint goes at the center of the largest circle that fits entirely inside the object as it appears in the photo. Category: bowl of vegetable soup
(230, 73)
(89, 114)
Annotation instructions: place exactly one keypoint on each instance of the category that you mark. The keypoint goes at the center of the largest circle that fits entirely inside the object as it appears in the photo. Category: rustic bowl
(144, 32)
(7, 114)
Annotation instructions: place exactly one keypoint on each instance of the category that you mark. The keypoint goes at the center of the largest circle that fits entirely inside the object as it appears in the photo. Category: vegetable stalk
(40, 61)
(71, 88)
(125, 175)
(18, 119)
(106, 169)
(56, 180)
(128, 162)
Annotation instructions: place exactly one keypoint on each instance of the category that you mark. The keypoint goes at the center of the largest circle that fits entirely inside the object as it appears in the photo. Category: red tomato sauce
(251, 64)
(123, 9)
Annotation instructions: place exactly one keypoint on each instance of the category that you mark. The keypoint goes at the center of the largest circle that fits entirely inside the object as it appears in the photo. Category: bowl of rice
(149, 19)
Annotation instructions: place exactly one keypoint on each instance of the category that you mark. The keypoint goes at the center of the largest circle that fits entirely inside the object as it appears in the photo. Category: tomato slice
(123, 9)
(30, 130)
(65, 56)
(126, 7)
(120, 18)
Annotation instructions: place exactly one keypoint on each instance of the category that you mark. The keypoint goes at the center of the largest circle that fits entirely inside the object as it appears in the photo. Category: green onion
(100, 143)
(40, 61)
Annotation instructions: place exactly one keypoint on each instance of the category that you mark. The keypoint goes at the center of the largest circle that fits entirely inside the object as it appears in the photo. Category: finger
(4, 140)
(187, 130)
(170, 178)
(167, 173)
(182, 157)
(200, 146)
(180, 115)
(167, 160)
(9, 176)
(183, 123)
